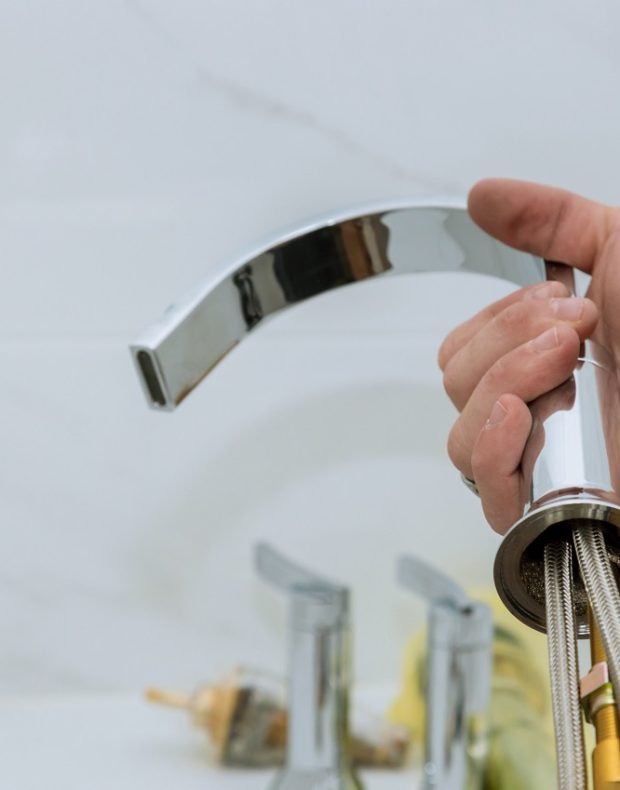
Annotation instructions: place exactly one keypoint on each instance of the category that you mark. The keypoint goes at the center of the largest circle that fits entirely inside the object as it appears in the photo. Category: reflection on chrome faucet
(251, 308)
(318, 755)
(458, 679)
(174, 355)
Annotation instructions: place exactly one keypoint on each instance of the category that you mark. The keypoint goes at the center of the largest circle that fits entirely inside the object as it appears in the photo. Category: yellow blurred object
(600, 706)
(521, 749)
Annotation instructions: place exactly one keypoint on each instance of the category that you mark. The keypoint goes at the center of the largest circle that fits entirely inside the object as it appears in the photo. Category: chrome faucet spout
(175, 354)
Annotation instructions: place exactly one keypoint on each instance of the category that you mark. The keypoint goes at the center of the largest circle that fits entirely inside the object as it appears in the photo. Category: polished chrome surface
(431, 584)
(319, 677)
(567, 461)
(174, 355)
(519, 572)
(459, 669)
(569, 474)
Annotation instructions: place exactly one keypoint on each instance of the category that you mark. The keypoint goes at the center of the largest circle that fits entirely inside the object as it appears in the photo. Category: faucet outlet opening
(151, 379)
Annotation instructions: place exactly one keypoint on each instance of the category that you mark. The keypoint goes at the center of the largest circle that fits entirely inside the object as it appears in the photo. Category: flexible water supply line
(563, 666)
(602, 592)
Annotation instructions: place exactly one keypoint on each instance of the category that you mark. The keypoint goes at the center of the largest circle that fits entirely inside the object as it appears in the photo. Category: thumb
(548, 222)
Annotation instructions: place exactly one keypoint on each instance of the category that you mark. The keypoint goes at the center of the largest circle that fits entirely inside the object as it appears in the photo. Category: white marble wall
(142, 144)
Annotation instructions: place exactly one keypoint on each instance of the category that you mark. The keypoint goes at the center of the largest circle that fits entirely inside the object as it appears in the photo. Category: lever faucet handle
(434, 586)
(458, 677)
(317, 602)
(319, 676)
(285, 574)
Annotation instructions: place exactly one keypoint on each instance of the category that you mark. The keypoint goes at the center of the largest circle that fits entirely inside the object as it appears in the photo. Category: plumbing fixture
(570, 490)
(175, 354)
(458, 678)
(318, 747)
(571, 510)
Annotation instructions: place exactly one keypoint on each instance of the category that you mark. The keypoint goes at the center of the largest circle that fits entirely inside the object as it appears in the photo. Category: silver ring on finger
(471, 484)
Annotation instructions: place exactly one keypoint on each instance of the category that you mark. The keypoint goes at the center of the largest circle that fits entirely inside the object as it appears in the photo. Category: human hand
(527, 344)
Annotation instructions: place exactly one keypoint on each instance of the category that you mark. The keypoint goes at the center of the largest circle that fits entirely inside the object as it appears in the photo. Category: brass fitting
(599, 703)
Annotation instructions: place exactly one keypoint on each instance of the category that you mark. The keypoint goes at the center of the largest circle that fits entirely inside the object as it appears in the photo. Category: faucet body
(318, 753)
(459, 682)
(458, 679)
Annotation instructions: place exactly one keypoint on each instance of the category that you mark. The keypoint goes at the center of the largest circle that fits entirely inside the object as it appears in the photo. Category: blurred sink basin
(117, 741)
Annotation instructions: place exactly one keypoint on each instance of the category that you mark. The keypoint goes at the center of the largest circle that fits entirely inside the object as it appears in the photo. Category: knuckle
(498, 373)
(481, 461)
(511, 319)
(568, 339)
(516, 319)
(484, 456)
(445, 352)
(485, 465)
(457, 452)
(452, 381)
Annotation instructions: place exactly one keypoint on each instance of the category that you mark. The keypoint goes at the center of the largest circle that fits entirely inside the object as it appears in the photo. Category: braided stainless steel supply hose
(602, 591)
(563, 666)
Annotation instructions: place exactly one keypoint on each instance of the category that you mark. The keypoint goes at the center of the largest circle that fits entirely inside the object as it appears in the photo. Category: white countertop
(120, 743)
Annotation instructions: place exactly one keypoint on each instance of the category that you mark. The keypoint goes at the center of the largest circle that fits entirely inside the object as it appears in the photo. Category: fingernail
(541, 292)
(569, 309)
(498, 413)
(546, 341)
